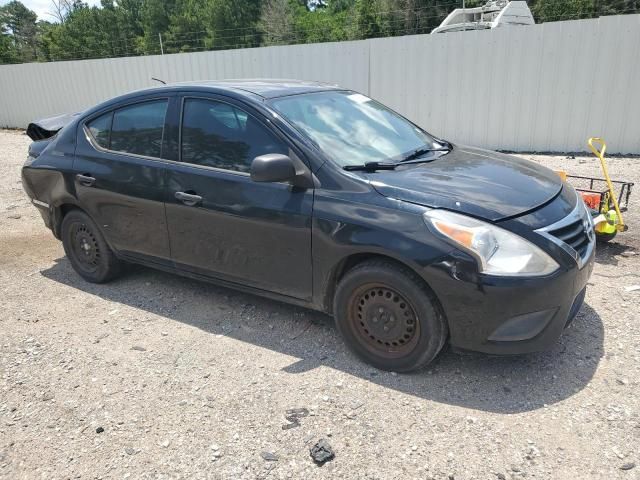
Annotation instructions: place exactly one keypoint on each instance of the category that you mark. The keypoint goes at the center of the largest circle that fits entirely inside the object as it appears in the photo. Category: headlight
(498, 251)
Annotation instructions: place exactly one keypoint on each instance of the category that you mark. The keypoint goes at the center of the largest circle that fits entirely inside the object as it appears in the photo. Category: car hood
(477, 182)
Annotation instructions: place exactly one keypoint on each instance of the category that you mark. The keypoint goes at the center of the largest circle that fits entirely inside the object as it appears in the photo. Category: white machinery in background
(493, 14)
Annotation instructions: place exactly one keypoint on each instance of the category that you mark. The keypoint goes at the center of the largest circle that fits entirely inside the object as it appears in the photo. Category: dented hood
(476, 182)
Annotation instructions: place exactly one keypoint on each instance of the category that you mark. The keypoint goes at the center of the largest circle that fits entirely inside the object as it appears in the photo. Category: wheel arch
(61, 210)
(350, 261)
(58, 213)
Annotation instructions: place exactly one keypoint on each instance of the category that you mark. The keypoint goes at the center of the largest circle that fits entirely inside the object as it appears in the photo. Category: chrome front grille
(574, 233)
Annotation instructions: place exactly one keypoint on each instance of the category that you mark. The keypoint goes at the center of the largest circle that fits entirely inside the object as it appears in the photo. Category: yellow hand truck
(600, 195)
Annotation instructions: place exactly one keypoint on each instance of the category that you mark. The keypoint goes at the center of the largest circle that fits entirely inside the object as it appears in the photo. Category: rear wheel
(389, 317)
(86, 248)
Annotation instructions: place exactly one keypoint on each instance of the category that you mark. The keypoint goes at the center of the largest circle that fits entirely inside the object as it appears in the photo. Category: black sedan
(320, 196)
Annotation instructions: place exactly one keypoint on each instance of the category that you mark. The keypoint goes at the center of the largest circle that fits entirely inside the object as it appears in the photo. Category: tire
(389, 317)
(605, 237)
(87, 249)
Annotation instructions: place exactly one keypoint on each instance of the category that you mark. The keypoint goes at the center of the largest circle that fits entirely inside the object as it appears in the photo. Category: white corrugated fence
(540, 88)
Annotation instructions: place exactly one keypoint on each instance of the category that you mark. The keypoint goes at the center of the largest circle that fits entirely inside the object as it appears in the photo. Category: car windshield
(353, 129)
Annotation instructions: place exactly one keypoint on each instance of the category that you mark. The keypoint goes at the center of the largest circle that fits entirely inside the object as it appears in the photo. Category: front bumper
(508, 315)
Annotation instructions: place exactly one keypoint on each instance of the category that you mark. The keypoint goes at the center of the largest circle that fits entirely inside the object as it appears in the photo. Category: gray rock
(293, 416)
(269, 456)
(322, 452)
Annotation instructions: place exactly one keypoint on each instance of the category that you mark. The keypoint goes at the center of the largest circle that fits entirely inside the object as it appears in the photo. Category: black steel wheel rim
(384, 321)
(85, 248)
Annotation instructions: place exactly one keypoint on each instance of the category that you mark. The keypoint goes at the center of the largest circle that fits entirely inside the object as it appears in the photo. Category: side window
(229, 116)
(100, 129)
(138, 128)
(216, 134)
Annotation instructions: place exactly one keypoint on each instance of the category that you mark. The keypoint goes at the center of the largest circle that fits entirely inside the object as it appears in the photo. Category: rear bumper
(509, 316)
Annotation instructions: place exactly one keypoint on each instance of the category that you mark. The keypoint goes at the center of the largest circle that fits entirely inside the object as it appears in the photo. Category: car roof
(266, 88)
(250, 89)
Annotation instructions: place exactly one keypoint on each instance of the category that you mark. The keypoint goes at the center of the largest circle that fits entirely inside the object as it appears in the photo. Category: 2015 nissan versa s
(322, 197)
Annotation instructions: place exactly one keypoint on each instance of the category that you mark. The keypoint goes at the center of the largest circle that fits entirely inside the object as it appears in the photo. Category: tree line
(147, 27)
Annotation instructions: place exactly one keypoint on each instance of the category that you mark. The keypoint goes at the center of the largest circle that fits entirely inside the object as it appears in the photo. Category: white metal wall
(540, 88)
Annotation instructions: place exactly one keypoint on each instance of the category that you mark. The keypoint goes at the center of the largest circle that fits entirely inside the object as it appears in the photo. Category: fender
(340, 239)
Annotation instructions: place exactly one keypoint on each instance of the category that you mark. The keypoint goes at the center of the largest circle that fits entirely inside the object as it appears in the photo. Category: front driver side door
(223, 224)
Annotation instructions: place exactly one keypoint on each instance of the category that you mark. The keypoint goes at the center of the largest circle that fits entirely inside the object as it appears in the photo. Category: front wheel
(87, 249)
(389, 317)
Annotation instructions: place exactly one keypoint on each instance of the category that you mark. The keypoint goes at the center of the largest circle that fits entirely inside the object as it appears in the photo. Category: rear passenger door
(235, 229)
(119, 177)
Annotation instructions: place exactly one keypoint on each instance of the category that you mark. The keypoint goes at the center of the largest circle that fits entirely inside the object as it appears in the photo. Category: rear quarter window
(100, 129)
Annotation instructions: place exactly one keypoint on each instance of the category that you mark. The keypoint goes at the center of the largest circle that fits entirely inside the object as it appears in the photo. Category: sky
(42, 7)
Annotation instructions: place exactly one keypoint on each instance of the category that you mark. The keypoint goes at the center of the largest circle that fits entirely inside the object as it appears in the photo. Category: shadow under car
(508, 384)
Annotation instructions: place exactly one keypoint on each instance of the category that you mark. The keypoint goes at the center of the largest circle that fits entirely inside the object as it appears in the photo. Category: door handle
(86, 180)
(188, 199)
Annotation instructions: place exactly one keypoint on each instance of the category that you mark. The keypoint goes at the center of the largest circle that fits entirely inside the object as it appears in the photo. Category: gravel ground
(157, 376)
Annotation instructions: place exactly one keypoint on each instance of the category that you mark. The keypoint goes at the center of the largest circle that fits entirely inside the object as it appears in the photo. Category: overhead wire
(211, 40)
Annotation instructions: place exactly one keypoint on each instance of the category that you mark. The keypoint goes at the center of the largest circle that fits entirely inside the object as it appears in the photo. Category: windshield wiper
(422, 151)
(413, 157)
(371, 166)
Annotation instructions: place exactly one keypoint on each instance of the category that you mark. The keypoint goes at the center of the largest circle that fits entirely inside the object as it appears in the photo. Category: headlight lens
(498, 251)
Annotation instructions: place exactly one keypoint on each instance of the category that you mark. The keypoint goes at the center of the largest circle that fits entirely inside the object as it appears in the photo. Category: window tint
(219, 135)
(100, 129)
(138, 129)
(229, 116)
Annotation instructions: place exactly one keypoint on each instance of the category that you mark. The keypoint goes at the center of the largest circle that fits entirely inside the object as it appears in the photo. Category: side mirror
(272, 167)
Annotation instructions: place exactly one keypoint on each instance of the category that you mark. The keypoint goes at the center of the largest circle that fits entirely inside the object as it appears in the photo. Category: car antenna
(158, 80)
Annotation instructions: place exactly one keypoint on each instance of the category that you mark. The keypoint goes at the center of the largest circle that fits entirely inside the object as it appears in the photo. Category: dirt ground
(157, 376)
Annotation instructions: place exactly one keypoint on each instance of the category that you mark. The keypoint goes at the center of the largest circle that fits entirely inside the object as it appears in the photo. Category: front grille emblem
(588, 229)
(574, 234)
